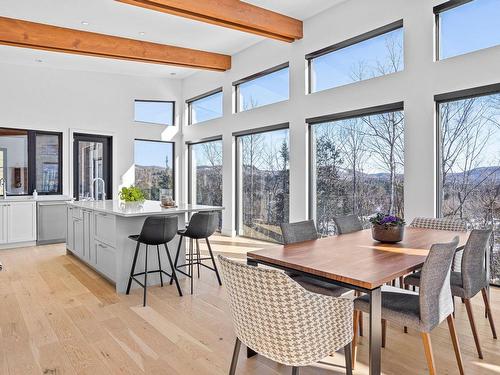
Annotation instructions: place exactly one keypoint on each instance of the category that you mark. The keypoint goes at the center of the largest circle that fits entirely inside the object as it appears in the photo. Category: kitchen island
(97, 233)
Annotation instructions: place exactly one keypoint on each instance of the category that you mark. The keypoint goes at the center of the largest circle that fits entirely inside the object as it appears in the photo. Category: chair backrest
(202, 224)
(455, 225)
(158, 230)
(436, 303)
(474, 275)
(299, 231)
(347, 224)
(279, 319)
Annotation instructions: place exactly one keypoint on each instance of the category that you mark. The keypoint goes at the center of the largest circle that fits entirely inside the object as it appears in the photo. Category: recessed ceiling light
(39, 60)
(85, 23)
(142, 33)
(173, 74)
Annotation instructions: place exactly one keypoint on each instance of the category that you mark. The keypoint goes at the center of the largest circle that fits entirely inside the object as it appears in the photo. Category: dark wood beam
(26, 34)
(234, 14)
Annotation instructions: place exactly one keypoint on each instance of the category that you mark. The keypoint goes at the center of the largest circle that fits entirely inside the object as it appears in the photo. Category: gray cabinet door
(52, 217)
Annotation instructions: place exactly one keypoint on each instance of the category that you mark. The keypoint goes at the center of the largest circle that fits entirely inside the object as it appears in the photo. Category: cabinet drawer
(105, 259)
(104, 228)
(77, 213)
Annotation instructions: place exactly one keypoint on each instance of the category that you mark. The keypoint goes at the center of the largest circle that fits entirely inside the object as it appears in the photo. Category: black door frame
(107, 142)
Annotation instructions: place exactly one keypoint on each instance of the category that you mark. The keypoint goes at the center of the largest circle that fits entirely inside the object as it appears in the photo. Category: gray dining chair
(425, 310)
(306, 231)
(277, 318)
(347, 224)
(471, 280)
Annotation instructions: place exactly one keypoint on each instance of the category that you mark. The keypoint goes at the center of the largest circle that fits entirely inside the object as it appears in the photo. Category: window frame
(236, 84)
(474, 92)
(368, 111)
(31, 150)
(189, 103)
(156, 101)
(399, 24)
(236, 135)
(174, 192)
(190, 162)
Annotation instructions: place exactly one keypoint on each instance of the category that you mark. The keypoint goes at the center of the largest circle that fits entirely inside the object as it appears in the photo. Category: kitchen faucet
(2, 184)
(103, 188)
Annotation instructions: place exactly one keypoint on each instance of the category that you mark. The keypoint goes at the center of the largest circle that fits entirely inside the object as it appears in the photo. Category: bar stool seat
(156, 231)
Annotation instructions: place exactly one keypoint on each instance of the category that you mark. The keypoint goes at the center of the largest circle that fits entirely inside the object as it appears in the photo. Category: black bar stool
(156, 231)
(201, 226)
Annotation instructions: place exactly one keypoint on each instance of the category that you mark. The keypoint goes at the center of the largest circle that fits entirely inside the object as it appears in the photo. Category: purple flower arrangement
(387, 220)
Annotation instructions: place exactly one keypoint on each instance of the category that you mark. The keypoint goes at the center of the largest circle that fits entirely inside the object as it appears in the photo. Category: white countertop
(148, 208)
(41, 198)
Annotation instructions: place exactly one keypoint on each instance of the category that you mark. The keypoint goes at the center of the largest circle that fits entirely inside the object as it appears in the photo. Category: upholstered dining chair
(277, 318)
(347, 224)
(425, 310)
(471, 280)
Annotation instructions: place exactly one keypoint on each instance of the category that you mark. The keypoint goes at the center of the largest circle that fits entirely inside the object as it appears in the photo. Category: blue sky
(268, 89)
(152, 153)
(154, 112)
(207, 108)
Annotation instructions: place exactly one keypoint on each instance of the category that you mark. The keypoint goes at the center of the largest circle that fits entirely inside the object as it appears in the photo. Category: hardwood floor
(59, 317)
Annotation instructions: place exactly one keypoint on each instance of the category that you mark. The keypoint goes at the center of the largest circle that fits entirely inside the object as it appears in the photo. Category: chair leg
(133, 267)
(213, 261)
(295, 370)
(426, 338)
(488, 312)
(159, 264)
(355, 337)
(198, 256)
(401, 282)
(174, 274)
(177, 257)
(234, 361)
(384, 332)
(348, 359)
(145, 276)
(472, 322)
(456, 346)
(191, 259)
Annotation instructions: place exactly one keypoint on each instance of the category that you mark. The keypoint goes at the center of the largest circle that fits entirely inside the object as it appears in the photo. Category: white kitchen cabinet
(78, 246)
(104, 228)
(69, 229)
(4, 229)
(105, 259)
(21, 222)
(88, 238)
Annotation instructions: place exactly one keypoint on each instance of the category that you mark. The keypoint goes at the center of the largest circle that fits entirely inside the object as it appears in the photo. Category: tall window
(205, 107)
(154, 112)
(205, 178)
(466, 26)
(30, 160)
(470, 164)
(154, 167)
(268, 87)
(356, 166)
(263, 184)
(376, 53)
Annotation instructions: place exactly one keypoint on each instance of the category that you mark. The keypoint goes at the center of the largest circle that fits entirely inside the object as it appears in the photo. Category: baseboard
(17, 245)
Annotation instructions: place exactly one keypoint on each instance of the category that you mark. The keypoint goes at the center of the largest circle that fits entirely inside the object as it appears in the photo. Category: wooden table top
(356, 258)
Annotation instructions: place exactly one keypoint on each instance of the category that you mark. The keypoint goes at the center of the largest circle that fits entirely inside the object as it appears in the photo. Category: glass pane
(14, 146)
(154, 112)
(206, 108)
(468, 28)
(47, 163)
(357, 168)
(271, 88)
(470, 165)
(263, 182)
(206, 174)
(90, 164)
(3, 169)
(371, 58)
(153, 167)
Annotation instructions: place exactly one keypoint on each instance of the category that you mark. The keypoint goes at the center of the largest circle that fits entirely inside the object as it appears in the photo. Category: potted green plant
(387, 228)
(131, 196)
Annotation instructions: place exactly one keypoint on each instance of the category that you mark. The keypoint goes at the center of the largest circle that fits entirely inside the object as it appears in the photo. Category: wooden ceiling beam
(26, 34)
(234, 14)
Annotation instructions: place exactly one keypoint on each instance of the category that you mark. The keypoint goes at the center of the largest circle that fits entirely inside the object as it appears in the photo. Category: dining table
(358, 262)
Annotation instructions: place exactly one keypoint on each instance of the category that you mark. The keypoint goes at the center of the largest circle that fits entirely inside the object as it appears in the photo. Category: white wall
(421, 79)
(89, 102)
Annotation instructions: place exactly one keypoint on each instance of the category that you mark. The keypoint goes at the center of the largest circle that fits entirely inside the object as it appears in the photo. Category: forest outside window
(30, 160)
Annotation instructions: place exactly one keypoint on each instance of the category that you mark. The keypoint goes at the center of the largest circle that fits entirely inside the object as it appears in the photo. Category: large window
(205, 107)
(268, 87)
(262, 183)
(154, 112)
(205, 173)
(370, 55)
(30, 160)
(466, 26)
(154, 167)
(469, 135)
(357, 165)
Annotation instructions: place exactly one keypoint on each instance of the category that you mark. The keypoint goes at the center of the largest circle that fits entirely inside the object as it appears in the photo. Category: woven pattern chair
(277, 318)
(347, 224)
(471, 280)
(425, 311)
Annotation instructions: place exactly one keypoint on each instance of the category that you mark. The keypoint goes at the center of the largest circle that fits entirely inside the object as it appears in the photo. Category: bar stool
(156, 231)
(201, 226)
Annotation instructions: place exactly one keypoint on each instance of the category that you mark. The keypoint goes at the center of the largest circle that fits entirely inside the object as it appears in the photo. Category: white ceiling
(114, 18)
